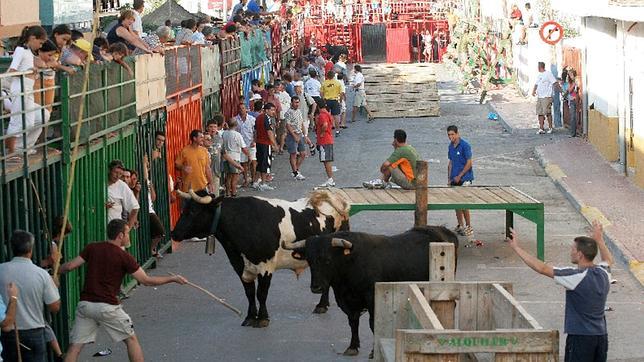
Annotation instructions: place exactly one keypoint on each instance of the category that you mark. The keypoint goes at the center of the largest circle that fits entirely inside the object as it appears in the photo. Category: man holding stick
(107, 264)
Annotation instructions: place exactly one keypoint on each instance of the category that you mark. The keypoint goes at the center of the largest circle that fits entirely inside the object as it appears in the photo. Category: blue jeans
(556, 109)
(34, 339)
(572, 105)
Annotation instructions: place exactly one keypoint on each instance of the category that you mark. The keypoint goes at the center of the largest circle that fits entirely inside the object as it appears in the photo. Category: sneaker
(300, 177)
(374, 184)
(541, 131)
(459, 230)
(328, 183)
(265, 187)
(312, 150)
(468, 231)
(549, 131)
(255, 185)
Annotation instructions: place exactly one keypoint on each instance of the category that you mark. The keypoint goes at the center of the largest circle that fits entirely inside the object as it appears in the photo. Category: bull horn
(341, 243)
(183, 195)
(200, 199)
(294, 245)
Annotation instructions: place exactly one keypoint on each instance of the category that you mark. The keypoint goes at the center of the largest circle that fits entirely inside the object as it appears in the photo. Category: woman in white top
(31, 39)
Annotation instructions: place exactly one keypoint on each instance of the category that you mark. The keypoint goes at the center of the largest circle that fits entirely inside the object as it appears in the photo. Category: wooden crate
(457, 321)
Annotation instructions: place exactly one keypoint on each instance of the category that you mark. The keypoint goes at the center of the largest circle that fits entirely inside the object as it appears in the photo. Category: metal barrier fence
(183, 72)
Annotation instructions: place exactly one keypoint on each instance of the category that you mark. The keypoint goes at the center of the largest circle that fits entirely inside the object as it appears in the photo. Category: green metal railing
(211, 105)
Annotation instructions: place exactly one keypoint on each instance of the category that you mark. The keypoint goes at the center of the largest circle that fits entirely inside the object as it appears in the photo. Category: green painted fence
(211, 105)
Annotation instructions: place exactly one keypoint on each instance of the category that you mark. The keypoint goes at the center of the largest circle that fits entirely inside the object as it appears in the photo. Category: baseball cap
(85, 46)
(255, 97)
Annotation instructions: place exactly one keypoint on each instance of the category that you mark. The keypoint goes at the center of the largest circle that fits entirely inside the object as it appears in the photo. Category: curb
(505, 124)
(635, 268)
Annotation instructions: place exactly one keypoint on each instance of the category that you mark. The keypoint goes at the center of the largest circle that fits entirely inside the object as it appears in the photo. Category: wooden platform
(505, 198)
(402, 90)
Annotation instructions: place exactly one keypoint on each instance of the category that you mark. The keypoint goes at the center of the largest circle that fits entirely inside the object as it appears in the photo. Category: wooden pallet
(402, 90)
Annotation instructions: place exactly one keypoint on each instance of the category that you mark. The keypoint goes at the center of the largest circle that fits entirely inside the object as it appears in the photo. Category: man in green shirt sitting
(399, 168)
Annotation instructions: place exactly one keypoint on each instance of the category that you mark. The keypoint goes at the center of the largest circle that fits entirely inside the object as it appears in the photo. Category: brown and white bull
(252, 231)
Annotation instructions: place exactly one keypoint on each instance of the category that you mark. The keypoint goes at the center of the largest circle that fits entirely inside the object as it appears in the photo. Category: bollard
(420, 215)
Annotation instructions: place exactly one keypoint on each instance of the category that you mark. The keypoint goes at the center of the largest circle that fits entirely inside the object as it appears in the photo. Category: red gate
(398, 50)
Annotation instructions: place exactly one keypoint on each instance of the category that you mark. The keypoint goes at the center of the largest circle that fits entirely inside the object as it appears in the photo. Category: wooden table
(505, 198)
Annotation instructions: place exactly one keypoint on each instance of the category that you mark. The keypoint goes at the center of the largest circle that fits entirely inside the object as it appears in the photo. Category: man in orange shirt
(194, 163)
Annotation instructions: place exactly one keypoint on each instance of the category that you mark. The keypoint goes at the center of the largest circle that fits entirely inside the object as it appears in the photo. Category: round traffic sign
(551, 32)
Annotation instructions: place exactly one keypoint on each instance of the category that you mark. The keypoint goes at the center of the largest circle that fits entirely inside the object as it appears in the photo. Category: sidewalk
(591, 184)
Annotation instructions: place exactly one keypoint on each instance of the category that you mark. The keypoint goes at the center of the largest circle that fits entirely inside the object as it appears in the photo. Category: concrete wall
(602, 81)
(599, 125)
(526, 58)
(13, 16)
(633, 35)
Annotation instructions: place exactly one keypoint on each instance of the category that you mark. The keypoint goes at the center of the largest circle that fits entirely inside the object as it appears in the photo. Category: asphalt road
(178, 323)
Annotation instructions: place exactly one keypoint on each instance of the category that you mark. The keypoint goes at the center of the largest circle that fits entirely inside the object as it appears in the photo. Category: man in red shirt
(99, 305)
(324, 133)
(264, 139)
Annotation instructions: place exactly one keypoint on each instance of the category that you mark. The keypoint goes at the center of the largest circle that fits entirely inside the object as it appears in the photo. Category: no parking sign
(551, 32)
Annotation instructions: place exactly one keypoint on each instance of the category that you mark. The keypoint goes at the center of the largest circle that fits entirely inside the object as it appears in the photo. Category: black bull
(251, 230)
(352, 262)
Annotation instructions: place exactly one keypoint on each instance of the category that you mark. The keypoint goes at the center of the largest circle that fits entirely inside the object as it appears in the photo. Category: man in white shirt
(233, 146)
(246, 127)
(360, 98)
(137, 26)
(543, 91)
(119, 196)
(312, 86)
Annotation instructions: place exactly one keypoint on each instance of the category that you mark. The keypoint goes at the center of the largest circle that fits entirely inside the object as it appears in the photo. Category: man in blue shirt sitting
(587, 288)
(459, 171)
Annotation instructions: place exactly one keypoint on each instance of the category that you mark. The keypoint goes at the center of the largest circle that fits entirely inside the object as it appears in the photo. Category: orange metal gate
(183, 117)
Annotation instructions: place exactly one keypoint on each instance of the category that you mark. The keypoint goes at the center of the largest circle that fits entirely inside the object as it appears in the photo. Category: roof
(169, 10)
(602, 9)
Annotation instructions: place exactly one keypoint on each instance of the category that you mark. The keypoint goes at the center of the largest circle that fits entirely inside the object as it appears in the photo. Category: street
(179, 323)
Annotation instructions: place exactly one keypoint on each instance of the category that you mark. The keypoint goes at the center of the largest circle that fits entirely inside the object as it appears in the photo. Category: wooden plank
(341, 194)
(399, 196)
(442, 262)
(384, 196)
(387, 350)
(383, 314)
(369, 196)
(456, 341)
(498, 191)
(406, 114)
(445, 196)
(488, 195)
(355, 196)
(520, 196)
(484, 312)
(408, 195)
(513, 315)
(467, 310)
(472, 194)
(423, 312)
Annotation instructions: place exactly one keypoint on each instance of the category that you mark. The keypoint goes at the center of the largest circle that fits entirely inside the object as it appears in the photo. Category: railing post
(65, 122)
(420, 215)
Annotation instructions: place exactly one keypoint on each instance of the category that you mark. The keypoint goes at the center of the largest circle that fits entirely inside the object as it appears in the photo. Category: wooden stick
(18, 344)
(420, 215)
(221, 301)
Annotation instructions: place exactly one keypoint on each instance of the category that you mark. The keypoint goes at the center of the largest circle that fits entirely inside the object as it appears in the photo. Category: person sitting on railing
(228, 32)
(22, 91)
(156, 40)
(184, 36)
(122, 32)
